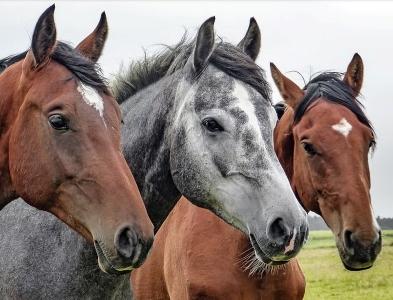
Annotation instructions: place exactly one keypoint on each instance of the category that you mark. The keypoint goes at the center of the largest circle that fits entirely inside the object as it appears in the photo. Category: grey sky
(305, 36)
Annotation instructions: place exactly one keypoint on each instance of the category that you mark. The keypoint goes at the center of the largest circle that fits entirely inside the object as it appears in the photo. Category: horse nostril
(278, 231)
(125, 242)
(348, 240)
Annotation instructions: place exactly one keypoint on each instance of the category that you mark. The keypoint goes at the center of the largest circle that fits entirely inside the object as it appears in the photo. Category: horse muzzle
(280, 244)
(131, 251)
(357, 255)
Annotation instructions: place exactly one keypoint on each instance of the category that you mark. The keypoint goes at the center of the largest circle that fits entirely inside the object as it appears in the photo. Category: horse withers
(60, 145)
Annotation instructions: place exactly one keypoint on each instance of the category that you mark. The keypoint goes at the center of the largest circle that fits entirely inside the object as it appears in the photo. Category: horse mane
(10, 60)
(331, 87)
(81, 67)
(226, 57)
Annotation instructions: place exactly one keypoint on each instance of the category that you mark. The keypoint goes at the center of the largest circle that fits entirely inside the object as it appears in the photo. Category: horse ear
(289, 91)
(92, 46)
(251, 43)
(204, 44)
(354, 75)
(44, 36)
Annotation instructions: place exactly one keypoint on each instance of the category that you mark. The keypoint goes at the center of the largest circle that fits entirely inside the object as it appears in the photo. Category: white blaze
(343, 127)
(92, 98)
(244, 102)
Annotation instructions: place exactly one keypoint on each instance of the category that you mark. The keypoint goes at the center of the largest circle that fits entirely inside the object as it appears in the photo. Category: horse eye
(212, 125)
(58, 122)
(309, 148)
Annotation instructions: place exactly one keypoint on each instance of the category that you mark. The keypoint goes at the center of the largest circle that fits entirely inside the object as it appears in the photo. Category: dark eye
(58, 122)
(309, 148)
(212, 125)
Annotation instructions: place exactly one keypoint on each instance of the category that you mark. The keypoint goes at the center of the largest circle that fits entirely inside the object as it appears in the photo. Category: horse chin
(355, 269)
(352, 265)
(262, 256)
(105, 265)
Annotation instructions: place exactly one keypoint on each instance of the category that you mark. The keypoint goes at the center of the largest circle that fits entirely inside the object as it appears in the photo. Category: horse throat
(146, 139)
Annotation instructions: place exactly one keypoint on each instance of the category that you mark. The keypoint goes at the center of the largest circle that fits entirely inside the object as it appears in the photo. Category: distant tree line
(385, 223)
(317, 223)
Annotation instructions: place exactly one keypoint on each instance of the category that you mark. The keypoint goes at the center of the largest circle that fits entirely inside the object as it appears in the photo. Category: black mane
(226, 57)
(10, 60)
(330, 86)
(84, 69)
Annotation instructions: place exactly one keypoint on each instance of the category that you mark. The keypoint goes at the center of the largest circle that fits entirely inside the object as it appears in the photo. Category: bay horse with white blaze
(322, 141)
(60, 145)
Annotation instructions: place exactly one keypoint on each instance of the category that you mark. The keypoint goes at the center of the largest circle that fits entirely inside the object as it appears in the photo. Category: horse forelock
(329, 86)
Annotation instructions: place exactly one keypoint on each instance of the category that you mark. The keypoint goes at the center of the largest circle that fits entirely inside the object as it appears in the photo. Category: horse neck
(146, 136)
(9, 107)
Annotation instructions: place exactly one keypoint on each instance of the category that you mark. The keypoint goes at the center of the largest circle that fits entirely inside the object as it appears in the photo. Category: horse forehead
(91, 97)
(344, 122)
(214, 90)
(343, 127)
(243, 101)
(217, 89)
(333, 123)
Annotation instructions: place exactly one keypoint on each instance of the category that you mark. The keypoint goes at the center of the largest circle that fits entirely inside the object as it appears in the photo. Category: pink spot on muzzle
(291, 244)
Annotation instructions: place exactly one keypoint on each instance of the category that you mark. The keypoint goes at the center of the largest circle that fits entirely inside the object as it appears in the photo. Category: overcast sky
(305, 36)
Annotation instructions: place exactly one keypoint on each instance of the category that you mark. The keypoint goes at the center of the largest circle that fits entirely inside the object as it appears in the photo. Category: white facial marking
(343, 127)
(243, 101)
(276, 173)
(92, 98)
(273, 117)
(291, 243)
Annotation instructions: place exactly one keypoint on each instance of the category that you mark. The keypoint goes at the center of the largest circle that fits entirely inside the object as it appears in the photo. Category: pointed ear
(92, 46)
(289, 91)
(44, 37)
(251, 43)
(354, 75)
(204, 44)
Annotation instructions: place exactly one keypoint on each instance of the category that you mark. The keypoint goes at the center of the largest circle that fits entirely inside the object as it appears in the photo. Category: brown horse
(188, 261)
(322, 140)
(60, 145)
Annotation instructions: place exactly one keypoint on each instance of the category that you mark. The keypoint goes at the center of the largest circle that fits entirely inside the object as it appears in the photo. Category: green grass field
(327, 279)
